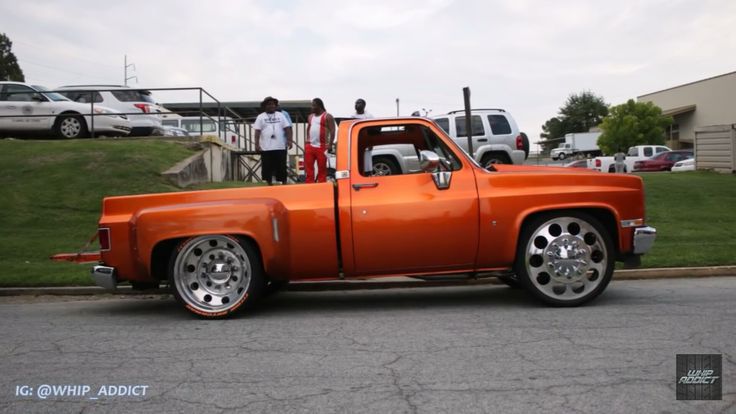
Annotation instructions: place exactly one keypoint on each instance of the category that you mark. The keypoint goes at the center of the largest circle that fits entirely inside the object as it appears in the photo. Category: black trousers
(273, 164)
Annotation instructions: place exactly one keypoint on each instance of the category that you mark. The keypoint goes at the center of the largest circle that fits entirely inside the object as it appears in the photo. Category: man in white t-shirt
(273, 137)
(360, 112)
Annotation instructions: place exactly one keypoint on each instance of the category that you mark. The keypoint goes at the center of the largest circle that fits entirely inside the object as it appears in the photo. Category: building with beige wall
(694, 105)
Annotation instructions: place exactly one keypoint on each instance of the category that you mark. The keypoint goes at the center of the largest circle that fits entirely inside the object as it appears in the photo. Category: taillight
(143, 107)
(519, 143)
(103, 234)
(300, 164)
(232, 139)
(598, 163)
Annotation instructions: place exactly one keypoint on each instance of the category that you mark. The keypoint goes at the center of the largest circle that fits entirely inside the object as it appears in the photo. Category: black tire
(565, 258)
(562, 156)
(383, 165)
(70, 127)
(494, 158)
(205, 270)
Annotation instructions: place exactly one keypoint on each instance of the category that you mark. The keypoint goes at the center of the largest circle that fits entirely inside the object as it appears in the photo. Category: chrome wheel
(212, 275)
(567, 260)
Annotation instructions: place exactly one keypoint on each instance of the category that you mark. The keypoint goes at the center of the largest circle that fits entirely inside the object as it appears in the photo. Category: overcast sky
(522, 55)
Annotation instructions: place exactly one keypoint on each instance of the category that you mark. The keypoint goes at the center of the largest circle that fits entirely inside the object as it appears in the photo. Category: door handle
(483, 140)
(357, 187)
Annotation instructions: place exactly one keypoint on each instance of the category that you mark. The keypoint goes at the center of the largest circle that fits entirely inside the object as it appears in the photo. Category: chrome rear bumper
(104, 276)
(644, 239)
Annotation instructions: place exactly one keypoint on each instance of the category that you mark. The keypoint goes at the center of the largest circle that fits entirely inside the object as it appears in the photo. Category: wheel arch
(162, 252)
(606, 216)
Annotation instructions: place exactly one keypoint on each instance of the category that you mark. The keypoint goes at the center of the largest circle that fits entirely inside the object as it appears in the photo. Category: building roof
(678, 111)
(247, 110)
(688, 84)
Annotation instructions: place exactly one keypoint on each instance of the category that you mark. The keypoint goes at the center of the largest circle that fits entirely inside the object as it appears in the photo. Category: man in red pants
(320, 138)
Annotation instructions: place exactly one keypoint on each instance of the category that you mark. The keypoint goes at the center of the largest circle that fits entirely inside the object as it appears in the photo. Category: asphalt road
(460, 349)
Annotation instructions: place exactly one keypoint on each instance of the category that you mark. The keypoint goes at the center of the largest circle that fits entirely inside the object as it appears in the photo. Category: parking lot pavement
(459, 349)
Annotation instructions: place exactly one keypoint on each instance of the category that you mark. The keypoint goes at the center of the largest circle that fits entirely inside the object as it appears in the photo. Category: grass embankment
(50, 199)
(51, 192)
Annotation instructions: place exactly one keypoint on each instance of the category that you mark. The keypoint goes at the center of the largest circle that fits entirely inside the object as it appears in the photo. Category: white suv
(124, 99)
(496, 137)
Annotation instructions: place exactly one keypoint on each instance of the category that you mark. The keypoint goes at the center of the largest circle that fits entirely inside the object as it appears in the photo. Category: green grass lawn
(51, 192)
(695, 217)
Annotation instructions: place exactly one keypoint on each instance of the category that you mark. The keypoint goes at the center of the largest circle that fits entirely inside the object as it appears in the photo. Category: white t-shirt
(364, 115)
(273, 136)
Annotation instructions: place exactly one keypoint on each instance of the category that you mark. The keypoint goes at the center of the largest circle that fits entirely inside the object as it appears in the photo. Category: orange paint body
(389, 225)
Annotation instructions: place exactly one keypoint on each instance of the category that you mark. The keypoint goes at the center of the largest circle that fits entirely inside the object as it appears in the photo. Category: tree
(630, 124)
(9, 68)
(579, 113)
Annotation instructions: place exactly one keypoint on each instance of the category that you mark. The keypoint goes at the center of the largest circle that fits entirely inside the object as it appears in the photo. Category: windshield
(56, 97)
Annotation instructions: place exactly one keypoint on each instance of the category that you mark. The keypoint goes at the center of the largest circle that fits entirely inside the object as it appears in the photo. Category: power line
(25, 61)
(46, 50)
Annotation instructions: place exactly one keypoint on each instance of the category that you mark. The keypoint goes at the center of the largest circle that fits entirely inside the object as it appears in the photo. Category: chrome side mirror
(428, 161)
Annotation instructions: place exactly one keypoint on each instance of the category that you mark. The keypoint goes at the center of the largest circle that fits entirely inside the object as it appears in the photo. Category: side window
(443, 123)
(18, 93)
(499, 125)
(378, 147)
(476, 124)
(648, 151)
(661, 149)
(83, 96)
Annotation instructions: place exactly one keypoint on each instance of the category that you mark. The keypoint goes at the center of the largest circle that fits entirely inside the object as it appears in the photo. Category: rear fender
(263, 220)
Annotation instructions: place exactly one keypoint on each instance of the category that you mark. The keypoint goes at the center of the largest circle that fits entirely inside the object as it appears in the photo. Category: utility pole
(468, 123)
(397, 106)
(126, 78)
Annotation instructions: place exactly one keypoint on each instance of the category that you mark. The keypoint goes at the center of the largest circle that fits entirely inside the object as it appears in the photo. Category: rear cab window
(133, 96)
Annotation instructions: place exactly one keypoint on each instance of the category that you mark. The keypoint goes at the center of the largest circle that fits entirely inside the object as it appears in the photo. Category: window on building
(673, 132)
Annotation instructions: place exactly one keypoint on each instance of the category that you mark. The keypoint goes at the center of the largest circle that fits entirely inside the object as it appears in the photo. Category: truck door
(404, 223)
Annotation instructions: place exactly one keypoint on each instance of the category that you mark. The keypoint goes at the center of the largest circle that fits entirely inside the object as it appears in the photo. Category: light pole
(397, 106)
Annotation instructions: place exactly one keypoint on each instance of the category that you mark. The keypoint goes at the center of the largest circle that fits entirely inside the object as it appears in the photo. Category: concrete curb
(384, 283)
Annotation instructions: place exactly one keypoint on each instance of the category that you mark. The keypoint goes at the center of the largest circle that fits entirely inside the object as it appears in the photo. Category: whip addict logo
(699, 376)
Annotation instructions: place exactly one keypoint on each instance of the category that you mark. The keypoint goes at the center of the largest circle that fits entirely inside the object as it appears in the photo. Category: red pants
(312, 154)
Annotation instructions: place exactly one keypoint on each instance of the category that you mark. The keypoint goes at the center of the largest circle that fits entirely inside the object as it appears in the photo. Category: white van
(223, 127)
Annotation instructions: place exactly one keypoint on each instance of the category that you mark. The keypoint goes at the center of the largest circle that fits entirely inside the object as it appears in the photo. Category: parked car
(496, 137)
(577, 164)
(684, 165)
(123, 99)
(226, 128)
(635, 153)
(26, 108)
(663, 161)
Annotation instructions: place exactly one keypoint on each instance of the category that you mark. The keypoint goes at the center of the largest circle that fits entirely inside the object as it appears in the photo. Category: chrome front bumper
(644, 239)
(104, 276)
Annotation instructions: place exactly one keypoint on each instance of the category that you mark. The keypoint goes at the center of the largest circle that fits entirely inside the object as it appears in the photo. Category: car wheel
(561, 156)
(494, 158)
(385, 166)
(565, 258)
(70, 126)
(214, 275)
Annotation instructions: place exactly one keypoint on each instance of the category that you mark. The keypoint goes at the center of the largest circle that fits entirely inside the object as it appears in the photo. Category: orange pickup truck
(555, 231)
